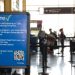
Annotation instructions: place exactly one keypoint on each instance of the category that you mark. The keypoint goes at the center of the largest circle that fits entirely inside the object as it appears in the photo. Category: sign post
(14, 40)
(7, 8)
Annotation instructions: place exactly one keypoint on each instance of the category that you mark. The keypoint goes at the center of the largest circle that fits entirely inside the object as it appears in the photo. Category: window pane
(1, 6)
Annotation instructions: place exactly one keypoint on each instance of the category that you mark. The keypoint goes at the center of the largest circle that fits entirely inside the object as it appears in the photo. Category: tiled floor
(58, 65)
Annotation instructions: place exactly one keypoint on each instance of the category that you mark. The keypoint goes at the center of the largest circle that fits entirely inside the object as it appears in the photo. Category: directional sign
(59, 10)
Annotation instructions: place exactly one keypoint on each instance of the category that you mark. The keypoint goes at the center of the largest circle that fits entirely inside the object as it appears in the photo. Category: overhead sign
(59, 10)
(14, 32)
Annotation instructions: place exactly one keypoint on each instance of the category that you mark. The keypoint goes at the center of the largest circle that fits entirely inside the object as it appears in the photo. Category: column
(24, 5)
(7, 5)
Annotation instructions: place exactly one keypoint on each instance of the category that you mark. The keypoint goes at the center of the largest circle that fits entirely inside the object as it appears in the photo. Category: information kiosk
(14, 39)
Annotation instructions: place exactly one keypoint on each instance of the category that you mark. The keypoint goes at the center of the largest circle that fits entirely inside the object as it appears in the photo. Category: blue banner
(13, 39)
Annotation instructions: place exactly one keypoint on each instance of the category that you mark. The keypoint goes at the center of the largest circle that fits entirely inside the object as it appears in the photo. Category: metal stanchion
(62, 53)
(72, 44)
(71, 49)
(58, 51)
(58, 46)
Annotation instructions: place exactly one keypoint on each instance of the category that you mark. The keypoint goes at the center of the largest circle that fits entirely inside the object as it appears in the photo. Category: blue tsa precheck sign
(14, 31)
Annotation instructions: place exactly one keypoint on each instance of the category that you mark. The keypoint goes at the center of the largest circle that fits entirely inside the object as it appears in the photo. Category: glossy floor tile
(57, 65)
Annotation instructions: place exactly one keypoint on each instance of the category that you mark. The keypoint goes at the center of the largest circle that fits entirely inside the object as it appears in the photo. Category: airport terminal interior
(52, 36)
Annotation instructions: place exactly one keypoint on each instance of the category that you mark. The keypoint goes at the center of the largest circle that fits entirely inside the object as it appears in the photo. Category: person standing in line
(50, 30)
(41, 36)
(51, 41)
(61, 38)
(43, 46)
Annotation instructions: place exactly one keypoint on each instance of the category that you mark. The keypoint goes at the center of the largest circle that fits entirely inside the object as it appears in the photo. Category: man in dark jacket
(62, 37)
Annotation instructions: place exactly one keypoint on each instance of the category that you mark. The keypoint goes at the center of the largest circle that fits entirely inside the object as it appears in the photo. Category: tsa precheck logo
(5, 18)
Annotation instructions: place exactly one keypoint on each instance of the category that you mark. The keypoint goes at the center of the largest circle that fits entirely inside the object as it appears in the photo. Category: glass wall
(54, 21)
(16, 5)
(1, 5)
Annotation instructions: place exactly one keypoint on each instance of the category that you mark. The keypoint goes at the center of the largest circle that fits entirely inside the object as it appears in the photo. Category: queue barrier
(72, 50)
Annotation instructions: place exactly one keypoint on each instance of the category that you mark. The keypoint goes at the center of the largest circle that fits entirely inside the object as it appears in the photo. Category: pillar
(7, 5)
(24, 5)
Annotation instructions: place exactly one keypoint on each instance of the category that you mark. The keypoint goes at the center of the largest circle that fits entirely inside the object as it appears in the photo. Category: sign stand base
(43, 73)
